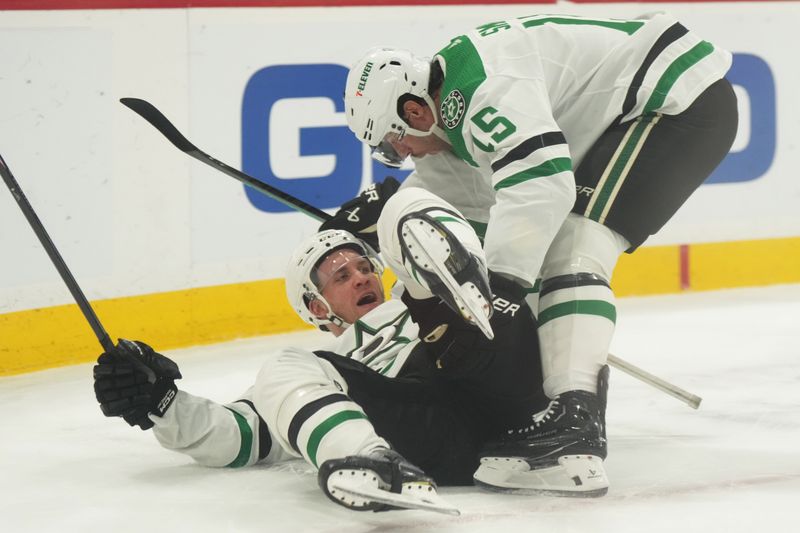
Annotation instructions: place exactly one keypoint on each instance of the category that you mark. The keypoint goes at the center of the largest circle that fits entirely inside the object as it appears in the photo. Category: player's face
(419, 117)
(349, 283)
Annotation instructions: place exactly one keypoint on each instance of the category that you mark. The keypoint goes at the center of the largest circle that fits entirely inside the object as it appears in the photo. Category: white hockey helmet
(301, 279)
(374, 85)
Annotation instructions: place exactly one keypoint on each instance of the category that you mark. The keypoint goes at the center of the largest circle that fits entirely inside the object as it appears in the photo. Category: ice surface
(732, 466)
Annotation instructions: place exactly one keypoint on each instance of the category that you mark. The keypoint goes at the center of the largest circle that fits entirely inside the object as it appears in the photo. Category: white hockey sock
(576, 307)
(576, 325)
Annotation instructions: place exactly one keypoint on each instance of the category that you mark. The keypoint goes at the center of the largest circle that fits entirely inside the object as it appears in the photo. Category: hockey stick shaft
(156, 118)
(686, 397)
(55, 257)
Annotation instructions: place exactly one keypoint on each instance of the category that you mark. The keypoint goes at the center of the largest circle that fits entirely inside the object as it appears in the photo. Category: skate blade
(472, 306)
(577, 476)
(420, 496)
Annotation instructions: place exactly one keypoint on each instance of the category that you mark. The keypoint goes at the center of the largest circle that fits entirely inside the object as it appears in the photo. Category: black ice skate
(380, 481)
(431, 252)
(560, 453)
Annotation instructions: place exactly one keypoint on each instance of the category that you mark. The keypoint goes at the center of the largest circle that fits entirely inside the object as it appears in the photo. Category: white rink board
(132, 215)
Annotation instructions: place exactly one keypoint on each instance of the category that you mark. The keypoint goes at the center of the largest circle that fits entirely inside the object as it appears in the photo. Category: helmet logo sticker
(362, 82)
(452, 109)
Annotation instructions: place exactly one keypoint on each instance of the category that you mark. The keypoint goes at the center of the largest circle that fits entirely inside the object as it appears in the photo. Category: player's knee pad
(304, 400)
(321, 426)
(583, 245)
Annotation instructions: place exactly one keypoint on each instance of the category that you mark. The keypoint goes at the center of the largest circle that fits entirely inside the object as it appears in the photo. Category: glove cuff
(164, 393)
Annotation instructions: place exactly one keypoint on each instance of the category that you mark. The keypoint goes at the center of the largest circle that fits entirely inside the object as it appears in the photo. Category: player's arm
(138, 384)
(231, 435)
(512, 131)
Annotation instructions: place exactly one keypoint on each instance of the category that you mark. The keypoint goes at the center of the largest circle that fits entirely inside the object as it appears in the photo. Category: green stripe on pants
(618, 170)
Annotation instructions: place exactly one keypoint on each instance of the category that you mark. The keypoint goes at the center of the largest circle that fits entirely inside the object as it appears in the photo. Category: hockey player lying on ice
(408, 376)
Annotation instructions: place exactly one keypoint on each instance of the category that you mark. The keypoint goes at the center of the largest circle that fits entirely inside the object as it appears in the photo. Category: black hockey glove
(134, 381)
(360, 215)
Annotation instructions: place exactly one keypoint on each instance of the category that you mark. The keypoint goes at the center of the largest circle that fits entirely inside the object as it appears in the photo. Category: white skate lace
(538, 418)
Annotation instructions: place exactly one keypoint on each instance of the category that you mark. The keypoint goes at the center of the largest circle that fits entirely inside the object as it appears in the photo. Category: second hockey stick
(55, 257)
(686, 397)
(157, 119)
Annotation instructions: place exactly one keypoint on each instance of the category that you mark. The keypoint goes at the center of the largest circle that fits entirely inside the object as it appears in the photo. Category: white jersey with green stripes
(236, 434)
(382, 339)
(523, 100)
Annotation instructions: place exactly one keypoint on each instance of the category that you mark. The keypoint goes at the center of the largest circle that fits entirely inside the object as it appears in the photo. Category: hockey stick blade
(156, 118)
(429, 501)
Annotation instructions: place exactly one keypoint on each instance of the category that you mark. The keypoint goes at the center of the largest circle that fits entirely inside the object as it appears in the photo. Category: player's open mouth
(367, 299)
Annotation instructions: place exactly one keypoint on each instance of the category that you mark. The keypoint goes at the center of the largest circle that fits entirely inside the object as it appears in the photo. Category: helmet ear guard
(301, 283)
(321, 322)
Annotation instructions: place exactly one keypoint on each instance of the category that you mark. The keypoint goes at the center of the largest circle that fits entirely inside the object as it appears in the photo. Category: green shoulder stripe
(627, 26)
(464, 72)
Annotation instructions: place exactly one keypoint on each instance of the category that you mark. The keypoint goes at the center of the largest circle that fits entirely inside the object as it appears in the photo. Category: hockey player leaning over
(570, 140)
(438, 401)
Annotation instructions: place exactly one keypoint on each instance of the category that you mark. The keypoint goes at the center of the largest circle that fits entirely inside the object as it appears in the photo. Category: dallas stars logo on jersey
(453, 109)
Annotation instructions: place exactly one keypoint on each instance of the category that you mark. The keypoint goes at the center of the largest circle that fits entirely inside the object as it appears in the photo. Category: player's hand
(133, 381)
(360, 215)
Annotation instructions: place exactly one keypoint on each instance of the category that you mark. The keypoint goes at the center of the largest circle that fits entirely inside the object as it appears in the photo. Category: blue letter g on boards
(753, 76)
(294, 136)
